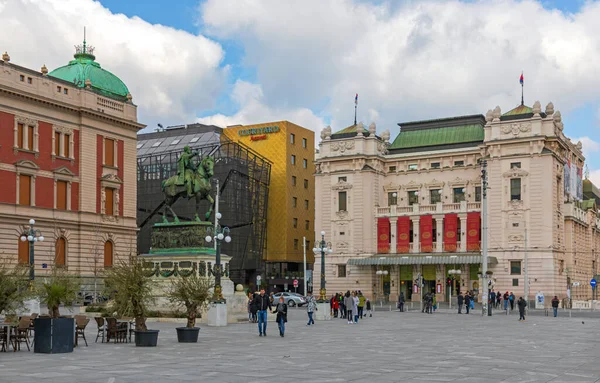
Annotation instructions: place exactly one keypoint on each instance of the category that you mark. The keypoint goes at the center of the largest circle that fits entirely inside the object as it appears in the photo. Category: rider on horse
(185, 170)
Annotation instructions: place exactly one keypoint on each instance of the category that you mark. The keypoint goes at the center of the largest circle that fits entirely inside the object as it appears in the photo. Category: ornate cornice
(412, 185)
(516, 128)
(515, 173)
(458, 181)
(435, 183)
(341, 186)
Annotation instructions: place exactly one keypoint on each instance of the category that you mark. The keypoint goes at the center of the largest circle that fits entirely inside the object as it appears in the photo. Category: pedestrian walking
(262, 304)
(355, 308)
(521, 304)
(555, 302)
(368, 308)
(342, 306)
(401, 302)
(460, 302)
(281, 311)
(433, 302)
(254, 308)
(492, 298)
(361, 304)
(468, 301)
(505, 297)
(498, 299)
(311, 307)
(511, 299)
(349, 304)
(336, 305)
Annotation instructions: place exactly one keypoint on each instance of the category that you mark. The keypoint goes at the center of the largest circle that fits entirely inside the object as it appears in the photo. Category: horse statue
(198, 177)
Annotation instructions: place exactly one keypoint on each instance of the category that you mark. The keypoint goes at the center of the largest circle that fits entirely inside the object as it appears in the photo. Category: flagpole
(522, 82)
(355, 105)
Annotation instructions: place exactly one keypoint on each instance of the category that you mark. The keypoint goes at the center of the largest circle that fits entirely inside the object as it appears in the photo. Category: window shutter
(61, 195)
(24, 189)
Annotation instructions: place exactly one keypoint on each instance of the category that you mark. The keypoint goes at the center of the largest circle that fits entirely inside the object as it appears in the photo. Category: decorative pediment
(342, 146)
(111, 178)
(342, 185)
(62, 129)
(435, 183)
(27, 164)
(515, 173)
(343, 214)
(412, 185)
(63, 171)
(515, 204)
(25, 121)
(516, 128)
(458, 182)
(391, 187)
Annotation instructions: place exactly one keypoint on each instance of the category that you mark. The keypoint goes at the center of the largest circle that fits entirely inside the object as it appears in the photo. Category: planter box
(187, 335)
(148, 338)
(54, 336)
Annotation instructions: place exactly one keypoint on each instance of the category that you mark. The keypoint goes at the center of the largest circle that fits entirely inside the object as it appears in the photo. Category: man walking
(361, 304)
(521, 304)
(401, 302)
(262, 303)
(459, 301)
(311, 307)
(468, 301)
(555, 302)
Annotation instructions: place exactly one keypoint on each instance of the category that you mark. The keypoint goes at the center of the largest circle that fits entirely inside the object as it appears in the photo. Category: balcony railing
(417, 209)
(458, 248)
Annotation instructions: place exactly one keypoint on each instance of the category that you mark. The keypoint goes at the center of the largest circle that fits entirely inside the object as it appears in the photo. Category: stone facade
(434, 183)
(76, 176)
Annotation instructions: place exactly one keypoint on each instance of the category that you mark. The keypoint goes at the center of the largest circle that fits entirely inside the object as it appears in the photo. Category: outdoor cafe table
(11, 328)
(119, 321)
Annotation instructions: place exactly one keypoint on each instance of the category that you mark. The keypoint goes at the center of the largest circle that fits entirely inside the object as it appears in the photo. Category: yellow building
(291, 210)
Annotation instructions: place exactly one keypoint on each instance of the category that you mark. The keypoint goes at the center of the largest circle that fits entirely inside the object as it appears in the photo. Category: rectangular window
(24, 190)
(61, 195)
(459, 163)
(515, 267)
(392, 198)
(292, 138)
(515, 282)
(293, 159)
(295, 222)
(515, 165)
(342, 196)
(306, 225)
(306, 184)
(58, 89)
(413, 197)
(109, 201)
(341, 271)
(477, 193)
(306, 204)
(294, 201)
(22, 78)
(57, 143)
(30, 135)
(515, 189)
(295, 244)
(305, 163)
(392, 169)
(293, 180)
(304, 143)
(65, 91)
(435, 196)
(342, 179)
(29, 80)
(109, 152)
(412, 167)
(21, 136)
(459, 194)
(435, 165)
(67, 147)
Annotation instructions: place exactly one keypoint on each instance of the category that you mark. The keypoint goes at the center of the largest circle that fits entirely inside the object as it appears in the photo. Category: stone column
(463, 233)
(416, 235)
(439, 223)
(394, 232)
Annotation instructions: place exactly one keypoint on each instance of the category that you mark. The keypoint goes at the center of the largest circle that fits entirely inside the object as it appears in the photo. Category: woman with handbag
(281, 311)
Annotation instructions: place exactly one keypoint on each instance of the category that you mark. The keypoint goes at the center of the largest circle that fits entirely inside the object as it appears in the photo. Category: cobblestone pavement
(390, 347)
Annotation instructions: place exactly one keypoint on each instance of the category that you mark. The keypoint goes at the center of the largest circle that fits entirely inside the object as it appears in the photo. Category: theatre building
(67, 160)
(396, 210)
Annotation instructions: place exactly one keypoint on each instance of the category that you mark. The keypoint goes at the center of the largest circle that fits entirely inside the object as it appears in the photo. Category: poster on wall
(573, 180)
(567, 179)
(580, 184)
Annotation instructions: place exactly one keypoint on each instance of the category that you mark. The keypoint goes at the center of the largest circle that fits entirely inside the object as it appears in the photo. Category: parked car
(292, 299)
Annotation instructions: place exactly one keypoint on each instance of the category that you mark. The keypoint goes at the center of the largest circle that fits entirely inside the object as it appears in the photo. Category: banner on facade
(403, 235)
(450, 231)
(426, 228)
(383, 235)
(473, 230)
(406, 273)
(428, 272)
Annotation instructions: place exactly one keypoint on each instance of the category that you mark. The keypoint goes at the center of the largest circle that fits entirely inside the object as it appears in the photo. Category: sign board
(593, 282)
(576, 284)
(438, 288)
(258, 278)
(295, 283)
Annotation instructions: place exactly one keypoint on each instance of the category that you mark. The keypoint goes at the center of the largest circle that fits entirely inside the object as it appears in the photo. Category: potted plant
(129, 284)
(55, 334)
(13, 287)
(193, 293)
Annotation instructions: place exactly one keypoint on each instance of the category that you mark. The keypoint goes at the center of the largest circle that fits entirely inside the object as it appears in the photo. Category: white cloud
(252, 110)
(419, 59)
(170, 73)
(589, 146)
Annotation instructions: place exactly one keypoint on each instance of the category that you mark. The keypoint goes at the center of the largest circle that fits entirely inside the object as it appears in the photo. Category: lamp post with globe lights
(218, 235)
(324, 247)
(382, 273)
(32, 235)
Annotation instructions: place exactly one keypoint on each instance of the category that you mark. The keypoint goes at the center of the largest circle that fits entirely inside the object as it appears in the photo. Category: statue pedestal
(217, 315)
(323, 311)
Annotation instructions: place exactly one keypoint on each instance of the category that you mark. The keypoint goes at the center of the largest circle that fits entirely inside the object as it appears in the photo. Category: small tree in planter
(130, 284)
(192, 292)
(14, 283)
(59, 289)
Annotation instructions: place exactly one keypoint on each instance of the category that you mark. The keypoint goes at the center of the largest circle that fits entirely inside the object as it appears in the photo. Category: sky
(228, 62)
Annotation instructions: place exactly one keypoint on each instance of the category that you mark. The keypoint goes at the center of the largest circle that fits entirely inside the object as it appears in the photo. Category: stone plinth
(181, 237)
(217, 315)
(323, 311)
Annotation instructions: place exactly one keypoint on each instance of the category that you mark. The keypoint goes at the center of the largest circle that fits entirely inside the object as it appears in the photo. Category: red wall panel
(473, 227)
(426, 227)
(8, 192)
(75, 196)
(44, 192)
(450, 231)
(383, 235)
(403, 235)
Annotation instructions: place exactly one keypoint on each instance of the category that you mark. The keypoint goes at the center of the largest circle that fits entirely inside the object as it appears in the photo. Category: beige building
(68, 161)
(398, 210)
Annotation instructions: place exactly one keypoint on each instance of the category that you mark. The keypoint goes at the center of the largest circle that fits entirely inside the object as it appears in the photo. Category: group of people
(496, 298)
(350, 306)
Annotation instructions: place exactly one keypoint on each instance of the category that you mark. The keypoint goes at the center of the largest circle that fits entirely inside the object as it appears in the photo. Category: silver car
(292, 299)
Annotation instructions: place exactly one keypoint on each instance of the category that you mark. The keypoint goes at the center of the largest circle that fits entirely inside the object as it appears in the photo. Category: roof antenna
(84, 39)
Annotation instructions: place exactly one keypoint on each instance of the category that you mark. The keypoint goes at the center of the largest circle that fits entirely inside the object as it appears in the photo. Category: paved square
(390, 347)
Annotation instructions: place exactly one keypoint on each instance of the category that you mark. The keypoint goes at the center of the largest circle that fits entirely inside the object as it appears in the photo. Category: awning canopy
(443, 259)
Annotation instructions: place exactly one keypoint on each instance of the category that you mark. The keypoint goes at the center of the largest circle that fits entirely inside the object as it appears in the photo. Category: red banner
(473, 226)
(403, 235)
(426, 227)
(383, 235)
(450, 230)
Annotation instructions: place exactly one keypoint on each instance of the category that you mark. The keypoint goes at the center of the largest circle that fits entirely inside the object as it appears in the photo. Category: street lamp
(381, 273)
(218, 235)
(325, 247)
(487, 284)
(32, 235)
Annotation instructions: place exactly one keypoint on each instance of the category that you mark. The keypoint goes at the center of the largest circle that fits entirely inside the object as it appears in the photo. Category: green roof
(351, 129)
(588, 204)
(84, 68)
(438, 136)
(519, 110)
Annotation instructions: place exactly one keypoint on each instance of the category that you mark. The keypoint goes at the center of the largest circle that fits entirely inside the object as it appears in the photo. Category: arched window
(23, 252)
(60, 257)
(108, 254)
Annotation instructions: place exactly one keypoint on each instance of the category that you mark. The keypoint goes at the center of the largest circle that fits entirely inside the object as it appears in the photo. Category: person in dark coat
(281, 310)
(460, 301)
(555, 302)
(401, 301)
(254, 308)
(468, 301)
(521, 304)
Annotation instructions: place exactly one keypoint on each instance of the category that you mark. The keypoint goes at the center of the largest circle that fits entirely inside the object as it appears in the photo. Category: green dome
(84, 68)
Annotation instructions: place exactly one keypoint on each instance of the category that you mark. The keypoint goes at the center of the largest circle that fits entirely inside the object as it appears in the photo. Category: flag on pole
(521, 79)
(356, 99)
